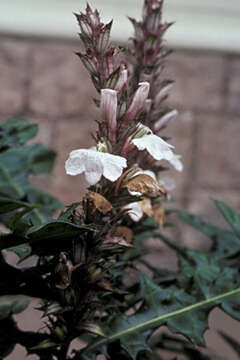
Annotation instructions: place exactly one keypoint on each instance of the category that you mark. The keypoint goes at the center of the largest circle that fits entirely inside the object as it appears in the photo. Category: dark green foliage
(18, 161)
(15, 132)
(8, 307)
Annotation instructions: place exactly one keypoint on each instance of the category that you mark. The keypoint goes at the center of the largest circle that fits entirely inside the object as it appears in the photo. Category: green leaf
(17, 163)
(45, 344)
(8, 307)
(8, 186)
(40, 237)
(5, 310)
(230, 216)
(55, 230)
(232, 307)
(42, 158)
(46, 202)
(22, 251)
(132, 343)
(161, 301)
(66, 215)
(157, 321)
(18, 222)
(15, 132)
(19, 306)
(225, 243)
(7, 205)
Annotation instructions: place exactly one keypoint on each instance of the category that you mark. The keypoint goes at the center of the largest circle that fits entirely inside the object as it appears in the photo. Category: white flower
(176, 162)
(155, 146)
(95, 164)
(135, 211)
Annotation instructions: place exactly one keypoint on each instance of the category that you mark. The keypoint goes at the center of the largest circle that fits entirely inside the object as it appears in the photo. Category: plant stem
(159, 320)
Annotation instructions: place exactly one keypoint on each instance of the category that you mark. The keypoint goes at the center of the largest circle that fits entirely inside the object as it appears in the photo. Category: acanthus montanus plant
(123, 169)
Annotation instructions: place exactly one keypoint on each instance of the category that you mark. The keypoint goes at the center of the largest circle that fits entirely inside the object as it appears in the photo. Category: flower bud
(164, 119)
(122, 80)
(108, 108)
(161, 94)
(138, 102)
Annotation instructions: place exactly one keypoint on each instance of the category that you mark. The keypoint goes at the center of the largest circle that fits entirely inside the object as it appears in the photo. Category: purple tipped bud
(164, 119)
(108, 108)
(138, 102)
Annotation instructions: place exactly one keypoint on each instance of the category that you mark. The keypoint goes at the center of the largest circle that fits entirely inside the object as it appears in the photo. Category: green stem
(159, 320)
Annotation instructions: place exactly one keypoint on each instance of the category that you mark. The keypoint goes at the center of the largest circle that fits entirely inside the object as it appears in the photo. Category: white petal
(113, 166)
(75, 164)
(92, 177)
(135, 211)
(93, 167)
(176, 162)
(156, 146)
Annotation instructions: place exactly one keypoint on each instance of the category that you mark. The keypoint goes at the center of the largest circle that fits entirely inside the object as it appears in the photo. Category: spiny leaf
(160, 301)
(144, 325)
(225, 243)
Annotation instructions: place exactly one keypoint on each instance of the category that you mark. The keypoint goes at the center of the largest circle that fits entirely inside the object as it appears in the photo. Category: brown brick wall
(43, 81)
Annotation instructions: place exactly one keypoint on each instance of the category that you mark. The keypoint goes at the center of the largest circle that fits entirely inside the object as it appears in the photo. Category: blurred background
(43, 81)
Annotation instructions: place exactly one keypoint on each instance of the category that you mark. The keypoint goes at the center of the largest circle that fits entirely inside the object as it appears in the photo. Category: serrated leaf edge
(158, 320)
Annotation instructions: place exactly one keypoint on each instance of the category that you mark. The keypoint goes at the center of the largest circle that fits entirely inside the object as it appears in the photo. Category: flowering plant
(90, 261)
